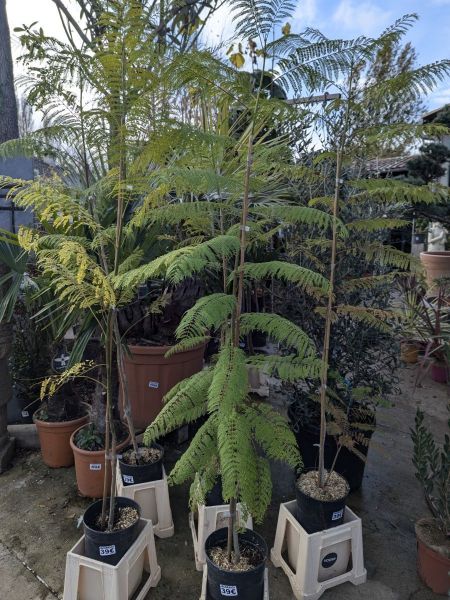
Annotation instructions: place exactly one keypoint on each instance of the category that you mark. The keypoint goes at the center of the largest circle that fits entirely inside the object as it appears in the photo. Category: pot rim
(58, 424)
(343, 498)
(93, 452)
(159, 350)
(440, 253)
(153, 445)
(106, 533)
(264, 550)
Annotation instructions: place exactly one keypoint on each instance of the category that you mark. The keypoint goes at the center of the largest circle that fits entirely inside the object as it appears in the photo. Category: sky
(335, 18)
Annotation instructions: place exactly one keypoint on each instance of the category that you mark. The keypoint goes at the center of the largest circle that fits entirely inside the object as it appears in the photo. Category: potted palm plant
(432, 326)
(432, 464)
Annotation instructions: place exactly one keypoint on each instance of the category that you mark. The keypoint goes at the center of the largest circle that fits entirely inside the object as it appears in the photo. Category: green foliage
(183, 404)
(310, 281)
(231, 440)
(229, 387)
(280, 330)
(210, 312)
(432, 465)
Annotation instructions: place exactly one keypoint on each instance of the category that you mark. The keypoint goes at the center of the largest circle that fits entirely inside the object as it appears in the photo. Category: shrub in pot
(347, 439)
(432, 465)
(432, 326)
(92, 471)
(56, 420)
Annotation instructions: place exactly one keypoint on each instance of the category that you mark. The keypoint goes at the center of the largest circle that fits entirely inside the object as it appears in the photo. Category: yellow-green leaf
(238, 60)
(286, 30)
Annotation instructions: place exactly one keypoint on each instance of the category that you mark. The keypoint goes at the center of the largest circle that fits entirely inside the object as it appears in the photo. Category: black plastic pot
(215, 497)
(134, 474)
(247, 585)
(318, 515)
(108, 547)
(348, 464)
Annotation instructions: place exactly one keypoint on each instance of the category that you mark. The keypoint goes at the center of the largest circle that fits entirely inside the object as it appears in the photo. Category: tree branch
(72, 21)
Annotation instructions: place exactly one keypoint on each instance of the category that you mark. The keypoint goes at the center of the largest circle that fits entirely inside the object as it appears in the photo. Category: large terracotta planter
(439, 372)
(55, 440)
(90, 468)
(409, 352)
(150, 376)
(436, 264)
(433, 565)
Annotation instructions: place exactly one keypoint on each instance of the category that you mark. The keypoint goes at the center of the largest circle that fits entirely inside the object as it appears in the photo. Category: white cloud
(306, 12)
(439, 97)
(219, 27)
(362, 17)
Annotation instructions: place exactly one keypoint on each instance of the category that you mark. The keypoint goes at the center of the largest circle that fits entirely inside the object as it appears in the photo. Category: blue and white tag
(107, 550)
(154, 385)
(337, 515)
(228, 590)
(128, 478)
(95, 467)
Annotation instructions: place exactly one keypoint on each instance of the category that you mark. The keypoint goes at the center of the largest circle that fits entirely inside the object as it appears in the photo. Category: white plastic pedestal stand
(211, 518)
(153, 498)
(205, 583)
(89, 579)
(318, 561)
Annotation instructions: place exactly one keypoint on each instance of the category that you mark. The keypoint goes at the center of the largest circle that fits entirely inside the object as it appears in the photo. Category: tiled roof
(392, 164)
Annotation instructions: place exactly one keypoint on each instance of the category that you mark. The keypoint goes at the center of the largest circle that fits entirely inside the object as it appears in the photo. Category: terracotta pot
(436, 264)
(90, 468)
(433, 567)
(409, 352)
(439, 373)
(55, 440)
(150, 376)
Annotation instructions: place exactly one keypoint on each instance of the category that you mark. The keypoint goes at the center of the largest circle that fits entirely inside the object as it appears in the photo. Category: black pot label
(107, 550)
(228, 590)
(329, 560)
(154, 385)
(128, 478)
(95, 467)
(337, 515)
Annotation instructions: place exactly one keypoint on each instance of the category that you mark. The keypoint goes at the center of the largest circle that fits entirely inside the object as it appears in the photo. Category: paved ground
(39, 510)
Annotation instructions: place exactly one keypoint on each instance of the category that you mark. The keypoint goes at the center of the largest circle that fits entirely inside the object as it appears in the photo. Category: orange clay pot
(55, 440)
(150, 375)
(433, 566)
(90, 468)
(409, 352)
(436, 264)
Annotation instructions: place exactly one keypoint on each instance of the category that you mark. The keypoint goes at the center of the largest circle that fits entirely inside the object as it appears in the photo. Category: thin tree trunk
(9, 130)
(9, 122)
(6, 444)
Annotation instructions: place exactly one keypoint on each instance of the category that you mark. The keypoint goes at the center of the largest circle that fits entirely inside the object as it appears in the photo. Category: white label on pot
(228, 590)
(95, 467)
(25, 414)
(107, 550)
(337, 515)
(154, 385)
(128, 478)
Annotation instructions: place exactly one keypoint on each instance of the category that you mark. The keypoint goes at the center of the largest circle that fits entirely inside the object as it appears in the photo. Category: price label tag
(25, 414)
(128, 478)
(107, 550)
(95, 467)
(154, 385)
(228, 590)
(337, 515)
